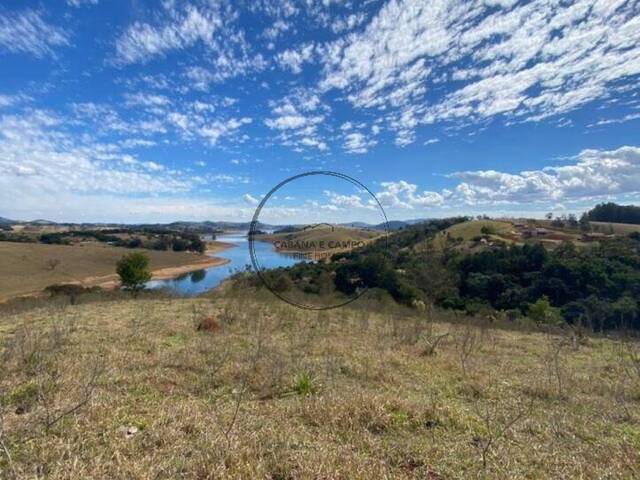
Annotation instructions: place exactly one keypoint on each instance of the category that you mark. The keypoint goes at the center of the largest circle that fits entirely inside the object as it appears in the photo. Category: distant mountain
(356, 225)
(397, 224)
(40, 221)
(6, 221)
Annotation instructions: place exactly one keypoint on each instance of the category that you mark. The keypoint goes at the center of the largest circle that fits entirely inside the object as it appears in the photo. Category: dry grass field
(29, 267)
(131, 389)
(617, 228)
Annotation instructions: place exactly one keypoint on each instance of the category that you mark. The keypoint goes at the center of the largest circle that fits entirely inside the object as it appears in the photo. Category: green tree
(543, 313)
(488, 230)
(133, 270)
(283, 283)
(585, 226)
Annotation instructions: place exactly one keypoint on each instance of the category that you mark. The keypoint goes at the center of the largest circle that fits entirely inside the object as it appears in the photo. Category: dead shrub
(208, 324)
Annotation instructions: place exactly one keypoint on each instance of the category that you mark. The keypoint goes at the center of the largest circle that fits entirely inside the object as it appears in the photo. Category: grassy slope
(377, 407)
(468, 230)
(473, 228)
(24, 266)
(618, 228)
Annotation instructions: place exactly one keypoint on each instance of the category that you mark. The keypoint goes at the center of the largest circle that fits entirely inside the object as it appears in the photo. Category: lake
(200, 281)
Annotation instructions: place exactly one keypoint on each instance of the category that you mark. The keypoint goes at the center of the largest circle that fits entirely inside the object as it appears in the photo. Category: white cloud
(146, 100)
(343, 24)
(357, 142)
(249, 199)
(211, 26)
(28, 32)
(294, 59)
(403, 194)
(63, 175)
(297, 118)
(37, 155)
(215, 130)
(596, 173)
(142, 41)
(278, 27)
(344, 201)
(7, 101)
(525, 60)
(79, 3)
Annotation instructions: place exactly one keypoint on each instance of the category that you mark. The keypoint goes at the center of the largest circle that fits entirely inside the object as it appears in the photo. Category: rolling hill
(321, 238)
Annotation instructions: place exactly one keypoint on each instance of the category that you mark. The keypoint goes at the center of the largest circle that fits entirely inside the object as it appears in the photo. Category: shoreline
(168, 273)
(111, 281)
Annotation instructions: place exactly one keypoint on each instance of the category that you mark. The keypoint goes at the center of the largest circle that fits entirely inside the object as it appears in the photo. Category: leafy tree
(179, 245)
(585, 226)
(134, 243)
(543, 313)
(283, 283)
(614, 213)
(133, 270)
(196, 244)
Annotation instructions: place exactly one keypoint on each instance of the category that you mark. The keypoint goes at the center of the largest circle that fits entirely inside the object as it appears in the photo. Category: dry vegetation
(227, 388)
(617, 228)
(29, 267)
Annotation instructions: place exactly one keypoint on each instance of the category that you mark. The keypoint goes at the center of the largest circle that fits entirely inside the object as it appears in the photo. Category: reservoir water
(200, 281)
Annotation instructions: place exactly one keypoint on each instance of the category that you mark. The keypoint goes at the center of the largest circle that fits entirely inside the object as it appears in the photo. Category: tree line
(614, 213)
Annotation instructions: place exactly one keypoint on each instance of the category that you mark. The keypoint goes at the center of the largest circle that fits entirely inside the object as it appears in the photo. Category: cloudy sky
(135, 110)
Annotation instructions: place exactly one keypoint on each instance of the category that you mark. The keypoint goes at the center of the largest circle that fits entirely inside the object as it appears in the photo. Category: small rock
(129, 431)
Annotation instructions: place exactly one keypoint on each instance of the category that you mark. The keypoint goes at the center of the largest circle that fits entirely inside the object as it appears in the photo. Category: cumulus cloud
(403, 194)
(595, 174)
(357, 142)
(344, 201)
(28, 32)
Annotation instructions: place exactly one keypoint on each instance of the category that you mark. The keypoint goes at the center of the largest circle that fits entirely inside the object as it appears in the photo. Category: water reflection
(238, 257)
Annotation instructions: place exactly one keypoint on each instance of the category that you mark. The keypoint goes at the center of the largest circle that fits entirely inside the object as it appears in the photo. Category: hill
(466, 235)
(131, 389)
(508, 269)
(321, 239)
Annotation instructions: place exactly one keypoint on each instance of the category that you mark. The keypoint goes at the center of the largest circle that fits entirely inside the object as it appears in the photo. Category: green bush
(133, 270)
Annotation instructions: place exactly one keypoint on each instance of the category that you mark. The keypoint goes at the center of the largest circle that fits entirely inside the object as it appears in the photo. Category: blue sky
(134, 111)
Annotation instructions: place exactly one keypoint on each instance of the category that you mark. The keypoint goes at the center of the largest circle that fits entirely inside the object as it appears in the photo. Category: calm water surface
(200, 281)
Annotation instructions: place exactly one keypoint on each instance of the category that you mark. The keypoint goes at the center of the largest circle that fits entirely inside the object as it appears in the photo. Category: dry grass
(29, 267)
(277, 392)
(617, 228)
